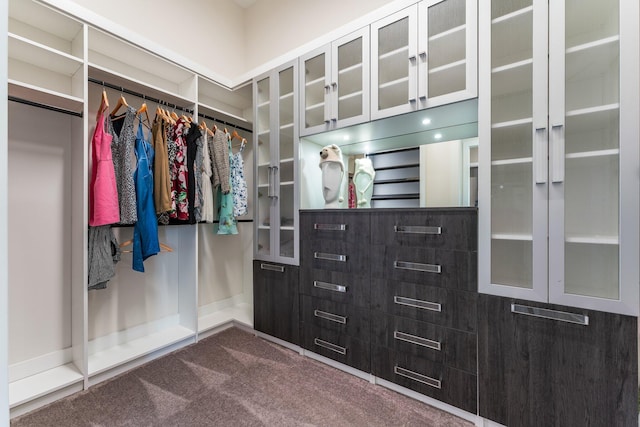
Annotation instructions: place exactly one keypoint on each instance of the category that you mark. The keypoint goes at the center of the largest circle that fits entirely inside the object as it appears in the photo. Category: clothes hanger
(104, 102)
(163, 247)
(121, 103)
(143, 109)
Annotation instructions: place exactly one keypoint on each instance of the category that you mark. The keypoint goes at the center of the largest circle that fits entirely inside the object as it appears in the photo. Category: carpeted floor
(237, 379)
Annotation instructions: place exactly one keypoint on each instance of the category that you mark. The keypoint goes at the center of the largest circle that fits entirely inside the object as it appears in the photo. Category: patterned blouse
(178, 170)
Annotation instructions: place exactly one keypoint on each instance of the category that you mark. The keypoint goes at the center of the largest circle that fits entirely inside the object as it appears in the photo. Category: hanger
(121, 102)
(163, 247)
(104, 102)
(143, 109)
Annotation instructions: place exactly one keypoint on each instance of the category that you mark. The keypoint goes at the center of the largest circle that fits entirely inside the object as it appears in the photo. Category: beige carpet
(237, 379)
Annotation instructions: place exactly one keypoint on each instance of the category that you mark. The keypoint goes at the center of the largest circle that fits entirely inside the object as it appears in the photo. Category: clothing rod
(140, 95)
(44, 106)
(204, 116)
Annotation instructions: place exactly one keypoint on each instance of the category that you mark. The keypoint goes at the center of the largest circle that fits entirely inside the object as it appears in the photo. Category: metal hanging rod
(168, 104)
(44, 106)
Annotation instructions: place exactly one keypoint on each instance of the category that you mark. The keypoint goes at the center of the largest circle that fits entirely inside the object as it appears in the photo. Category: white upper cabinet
(424, 56)
(558, 150)
(334, 82)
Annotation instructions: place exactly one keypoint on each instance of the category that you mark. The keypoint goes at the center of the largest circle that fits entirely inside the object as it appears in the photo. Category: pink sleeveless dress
(103, 191)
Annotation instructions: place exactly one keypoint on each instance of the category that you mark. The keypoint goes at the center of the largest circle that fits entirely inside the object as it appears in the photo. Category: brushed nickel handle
(329, 286)
(330, 257)
(330, 227)
(329, 346)
(330, 316)
(417, 229)
(416, 266)
(424, 305)
(432, 382)
(414, 339)
(562, 316)
(271, 267)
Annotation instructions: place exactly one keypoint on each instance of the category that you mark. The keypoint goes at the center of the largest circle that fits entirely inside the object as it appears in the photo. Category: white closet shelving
(71, 338)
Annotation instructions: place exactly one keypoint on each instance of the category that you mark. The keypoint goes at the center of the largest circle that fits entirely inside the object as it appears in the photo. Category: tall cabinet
(424, 56)
(558, 212)
(559, 153)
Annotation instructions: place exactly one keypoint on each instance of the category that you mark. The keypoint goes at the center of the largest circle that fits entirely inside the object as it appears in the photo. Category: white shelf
(41, 56)
(592, 110)
(596, 153)
(315, 82)
(286, 126)
(286, 160)
(284, 97)
(41, 384)
(241, 313)
(129, 351)
(448, 67)
(452, 31)
(513, 15)
(287, 228)
(45, 96)
(350, 95)
(510, 123)
(396, 52)
(519, 161)
(355, 67)
(595, 240)
(518, 237)
(264, 227)
(393, 83)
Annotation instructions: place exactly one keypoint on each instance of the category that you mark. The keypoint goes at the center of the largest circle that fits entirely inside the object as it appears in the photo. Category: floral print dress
(179, 173)
(238, 182)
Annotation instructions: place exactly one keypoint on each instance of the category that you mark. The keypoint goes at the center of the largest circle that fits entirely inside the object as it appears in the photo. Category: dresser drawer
(336, 317)
(446, 307)
(447, 384)
(335, 255)
(351, 227)
(336, 286)
(455, 229)
(436, 267)
(339, 347)
(450, 347)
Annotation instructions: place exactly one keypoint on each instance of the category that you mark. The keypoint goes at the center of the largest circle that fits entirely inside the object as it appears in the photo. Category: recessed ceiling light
(346, 137)
(426, 121)
(437, 136)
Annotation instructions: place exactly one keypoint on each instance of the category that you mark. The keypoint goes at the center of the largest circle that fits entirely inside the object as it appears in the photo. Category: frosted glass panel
(446, 15)
(512, 142)
(263, 120)
(286, 113)
(504, 7)
(393, 64)
(350, 83)
(511, 199)
(592, 270)
(511, 263)
(314, 82)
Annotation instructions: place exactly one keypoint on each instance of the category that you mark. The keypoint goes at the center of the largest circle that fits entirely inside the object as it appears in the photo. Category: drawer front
(336, 317)
(450, 385)
(349, 227)
(443, 229)
(336, 286)
(450, 347)
(446, 307)
(335, 255)
(436, 267)
(339, 347)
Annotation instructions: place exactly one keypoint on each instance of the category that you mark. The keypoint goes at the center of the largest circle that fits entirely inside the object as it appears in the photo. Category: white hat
(331, 153)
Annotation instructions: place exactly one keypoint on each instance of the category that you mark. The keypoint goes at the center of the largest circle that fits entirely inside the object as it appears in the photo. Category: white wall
(441, 174)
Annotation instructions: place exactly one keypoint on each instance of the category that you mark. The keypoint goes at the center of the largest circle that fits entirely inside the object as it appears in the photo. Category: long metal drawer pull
(330, 316)
(329, 346)
(271, 267)
(414, 339)
(330, 227)
(416, 266)
(425, 305)
(330, 257)
(329, 286)
(417, 377)
(545, 313)
(417, 229)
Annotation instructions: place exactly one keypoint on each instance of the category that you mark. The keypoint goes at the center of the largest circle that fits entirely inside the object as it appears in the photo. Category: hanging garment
(207, 207)
(220, 154)
(161, 178)
(103, 255)
(123, 140)
(103, 190)
(191, 138)
(179, 172)
(145, 232)
(238, 183)
(225, 204)
(198, 164)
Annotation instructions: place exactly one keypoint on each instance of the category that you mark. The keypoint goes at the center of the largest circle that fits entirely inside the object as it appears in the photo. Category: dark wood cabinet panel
(450, 385)
(450, 347)
(433, 228)
(276, 301)
(435, 267)
(541, 372)
(336, 286)
(342, 348)
(450, 308)
(351, 227)
(341, 318)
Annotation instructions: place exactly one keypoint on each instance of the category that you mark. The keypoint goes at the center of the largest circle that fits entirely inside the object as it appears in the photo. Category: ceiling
(244, 3)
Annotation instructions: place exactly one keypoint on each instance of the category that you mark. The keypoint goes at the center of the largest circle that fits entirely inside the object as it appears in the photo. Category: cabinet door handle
(416, 266)
(330, 227)
(329, 346)
(414, 339)
(423, 82)
(330, 257)
(557, 153)
(270, 182)
(545, 313)
(417, 303)
(432, 382)
(330, 316)
(329, 286)
(417, 229)
(540, 155)
(276, 186)
(271, 267)
(327, 103)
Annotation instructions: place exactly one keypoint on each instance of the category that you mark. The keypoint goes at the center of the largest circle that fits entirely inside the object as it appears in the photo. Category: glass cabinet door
(394, 64)
(264, 182)
(314, 92)
(587, 159)
(286, 165)
(512, 129)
